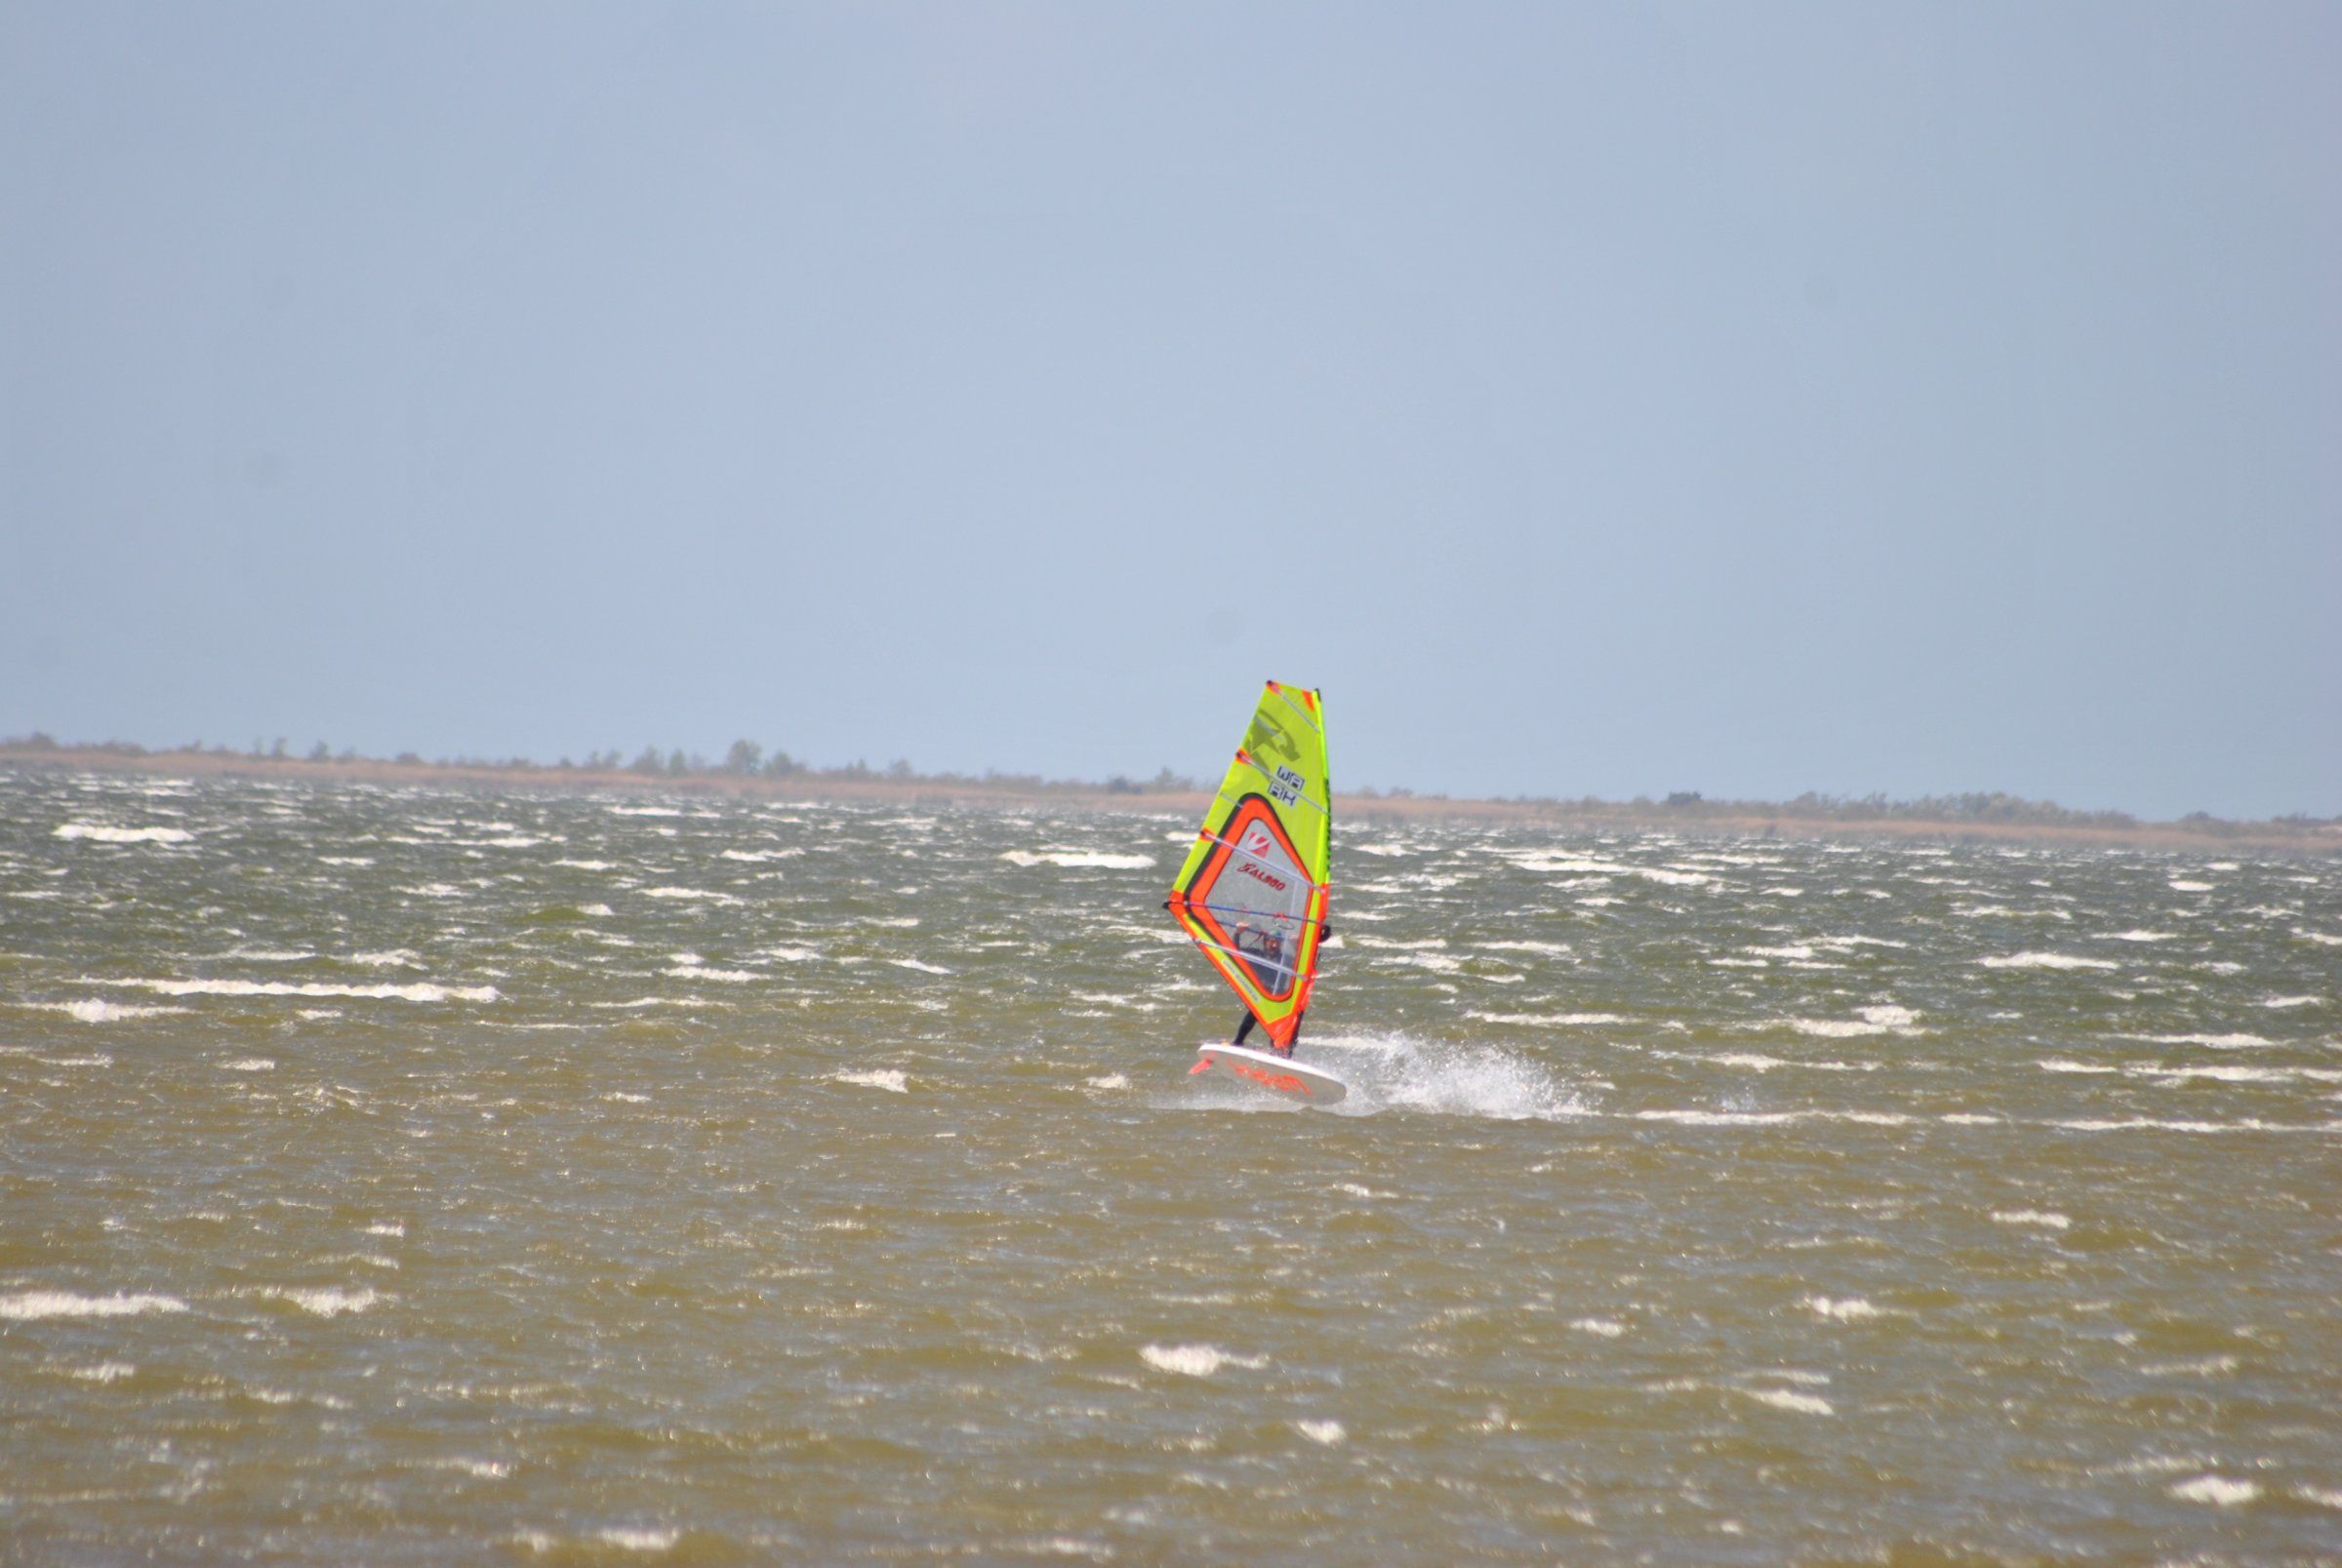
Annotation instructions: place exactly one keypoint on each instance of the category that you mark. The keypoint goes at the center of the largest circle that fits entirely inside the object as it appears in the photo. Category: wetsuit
(1244, 1029)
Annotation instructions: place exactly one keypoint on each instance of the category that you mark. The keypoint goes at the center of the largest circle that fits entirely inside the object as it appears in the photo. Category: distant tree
(408, 759)
(745, 758)
(781, 764)
(1684, 798)
(899, 769)
(278, 751)
(1118, 785)
(677, 763)
(322, 753)
(650, 761)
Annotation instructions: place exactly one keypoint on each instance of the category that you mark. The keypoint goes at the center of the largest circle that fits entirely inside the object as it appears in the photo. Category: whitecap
(2276, 1002)
(2183, 886)
(1556, 1021)
(695, 895)
(1437, 963)
(2045, 960)
(326, 1301)
(2152, 1124)
(1078, 857)
(1721, 1119)
(634, 1538)
(2217, 1490)
(1789, 1399)
(35, 1305)
(2143, 936)
(94, 1010)
(1329, 1433)
(1848, 1309)
(280, 988)
(1553, 948)
(921, 965)
(1191, 1360)
(1112, 1080)
(2219, 1073)
(102, 833)
(2217, 1042)
(1604, 1327)
(885, 1078)
(2045, 1219)
(2210, 1366)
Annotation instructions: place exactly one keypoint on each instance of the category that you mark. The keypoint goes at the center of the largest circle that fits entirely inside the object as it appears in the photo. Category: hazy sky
(1592, 398)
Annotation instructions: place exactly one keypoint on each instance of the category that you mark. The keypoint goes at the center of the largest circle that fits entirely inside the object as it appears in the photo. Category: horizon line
(747, 762)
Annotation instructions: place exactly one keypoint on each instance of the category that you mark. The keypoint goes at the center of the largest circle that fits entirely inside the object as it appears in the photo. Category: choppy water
(391, 1176)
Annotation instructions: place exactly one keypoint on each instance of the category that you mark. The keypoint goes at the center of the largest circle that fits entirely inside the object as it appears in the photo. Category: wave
(423, 992)
(103, 833)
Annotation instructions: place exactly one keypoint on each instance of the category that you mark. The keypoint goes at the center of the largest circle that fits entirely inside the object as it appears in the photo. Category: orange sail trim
(1252, 893)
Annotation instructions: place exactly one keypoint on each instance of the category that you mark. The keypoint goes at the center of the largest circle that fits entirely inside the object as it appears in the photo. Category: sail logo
(1254, 872)
(1267, 735)
(1286, 789)
(1258, 842)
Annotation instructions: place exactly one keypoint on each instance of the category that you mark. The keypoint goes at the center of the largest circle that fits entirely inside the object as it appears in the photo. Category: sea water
(390, 1175)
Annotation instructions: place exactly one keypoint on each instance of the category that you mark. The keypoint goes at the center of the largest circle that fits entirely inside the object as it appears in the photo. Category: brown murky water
(390, 1176)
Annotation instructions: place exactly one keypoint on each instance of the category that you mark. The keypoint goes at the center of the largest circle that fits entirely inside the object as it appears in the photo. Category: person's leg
(1245, 1028)
(1293, 1039)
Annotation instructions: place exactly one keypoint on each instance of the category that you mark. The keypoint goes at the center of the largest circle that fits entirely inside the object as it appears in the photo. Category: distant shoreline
(1691, 817)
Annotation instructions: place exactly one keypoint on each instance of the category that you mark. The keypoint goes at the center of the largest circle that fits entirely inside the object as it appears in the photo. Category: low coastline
(1692, 816)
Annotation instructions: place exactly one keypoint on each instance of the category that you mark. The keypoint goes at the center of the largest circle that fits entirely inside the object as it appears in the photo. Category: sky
(1592, 399)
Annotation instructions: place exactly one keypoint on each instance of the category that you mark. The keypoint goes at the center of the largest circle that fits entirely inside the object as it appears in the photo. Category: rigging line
(1322, 887)
(1247, 959)
(1257, 914)
(1296, 707)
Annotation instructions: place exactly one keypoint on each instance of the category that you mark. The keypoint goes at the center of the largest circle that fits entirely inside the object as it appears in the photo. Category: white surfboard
(1281, 1077)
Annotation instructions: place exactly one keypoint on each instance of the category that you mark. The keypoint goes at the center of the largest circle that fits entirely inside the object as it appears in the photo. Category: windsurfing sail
(1253, 891)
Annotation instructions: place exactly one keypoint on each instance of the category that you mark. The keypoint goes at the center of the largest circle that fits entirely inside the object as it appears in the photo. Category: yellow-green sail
(1252, 893)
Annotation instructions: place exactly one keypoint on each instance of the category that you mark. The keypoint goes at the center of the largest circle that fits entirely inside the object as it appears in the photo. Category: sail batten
(1252, 893)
